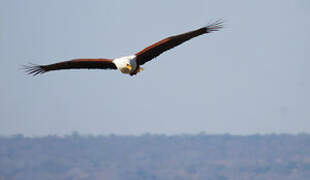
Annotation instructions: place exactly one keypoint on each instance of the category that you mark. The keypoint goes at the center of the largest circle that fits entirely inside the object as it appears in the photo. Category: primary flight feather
(128, 64)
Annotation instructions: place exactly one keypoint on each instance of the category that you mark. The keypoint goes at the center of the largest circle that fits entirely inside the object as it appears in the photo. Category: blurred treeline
(202, 156)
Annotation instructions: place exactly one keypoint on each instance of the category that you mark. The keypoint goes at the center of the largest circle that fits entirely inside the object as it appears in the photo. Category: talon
(140, 69)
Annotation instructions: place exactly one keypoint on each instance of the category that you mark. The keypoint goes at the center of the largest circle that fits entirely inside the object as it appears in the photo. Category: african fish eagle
(129, 64)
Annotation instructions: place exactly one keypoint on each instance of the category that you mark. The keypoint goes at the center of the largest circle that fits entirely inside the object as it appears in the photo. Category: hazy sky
(250, 77)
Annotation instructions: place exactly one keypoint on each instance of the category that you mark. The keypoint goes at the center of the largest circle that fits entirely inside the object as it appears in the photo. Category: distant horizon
(198, 157)
(75, 133)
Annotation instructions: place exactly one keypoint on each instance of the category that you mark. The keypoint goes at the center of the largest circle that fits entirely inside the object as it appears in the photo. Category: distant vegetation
(183, 157)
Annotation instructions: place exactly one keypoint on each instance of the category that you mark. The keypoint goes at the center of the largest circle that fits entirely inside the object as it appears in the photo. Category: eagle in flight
(129, 64)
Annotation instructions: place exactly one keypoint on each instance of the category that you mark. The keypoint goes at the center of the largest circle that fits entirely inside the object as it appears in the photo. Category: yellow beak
(129, 67)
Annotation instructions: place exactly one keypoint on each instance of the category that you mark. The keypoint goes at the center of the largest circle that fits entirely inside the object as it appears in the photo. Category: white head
(126, 64)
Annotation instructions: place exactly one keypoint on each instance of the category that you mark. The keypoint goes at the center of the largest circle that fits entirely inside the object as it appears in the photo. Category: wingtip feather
(215, 26)
(33, 69)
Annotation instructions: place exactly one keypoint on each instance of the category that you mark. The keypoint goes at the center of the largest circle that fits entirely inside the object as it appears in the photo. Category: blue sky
(250, 77)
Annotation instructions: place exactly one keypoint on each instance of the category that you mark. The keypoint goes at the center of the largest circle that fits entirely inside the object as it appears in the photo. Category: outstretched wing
(156, 49)
(72, 64)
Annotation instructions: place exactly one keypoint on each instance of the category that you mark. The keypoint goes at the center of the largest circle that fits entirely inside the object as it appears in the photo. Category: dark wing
(156, 49)
(72, 64)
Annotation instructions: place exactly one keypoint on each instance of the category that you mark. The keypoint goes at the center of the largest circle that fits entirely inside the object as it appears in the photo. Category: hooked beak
(129, 67)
